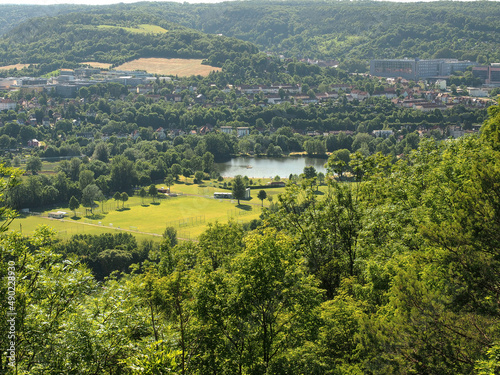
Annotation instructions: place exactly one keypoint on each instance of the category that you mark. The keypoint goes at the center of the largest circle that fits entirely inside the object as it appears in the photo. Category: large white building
(416, 69)
(7, 104)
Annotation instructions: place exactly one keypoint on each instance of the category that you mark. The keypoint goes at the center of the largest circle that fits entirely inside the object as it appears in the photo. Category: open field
(179, 67)
(189, 212)
(140, 29)
(16, 66)
(66, 229)
(98, 65)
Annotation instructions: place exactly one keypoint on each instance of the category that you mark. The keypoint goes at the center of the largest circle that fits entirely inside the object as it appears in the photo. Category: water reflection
(269, 167)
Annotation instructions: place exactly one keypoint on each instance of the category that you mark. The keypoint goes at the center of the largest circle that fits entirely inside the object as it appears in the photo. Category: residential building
(441, 84)
(243, 130)
(384, 133)
(474, 91)
(7, 104)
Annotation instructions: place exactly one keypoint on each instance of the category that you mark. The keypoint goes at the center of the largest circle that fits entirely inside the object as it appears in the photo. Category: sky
(107, 2)
(93, 2)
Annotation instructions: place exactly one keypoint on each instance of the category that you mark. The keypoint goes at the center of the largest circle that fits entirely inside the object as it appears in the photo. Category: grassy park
(188, 212)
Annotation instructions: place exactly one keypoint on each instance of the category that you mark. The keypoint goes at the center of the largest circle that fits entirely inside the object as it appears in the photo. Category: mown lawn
(189, 212)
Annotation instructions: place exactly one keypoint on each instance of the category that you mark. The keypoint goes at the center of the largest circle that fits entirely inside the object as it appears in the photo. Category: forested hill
(64, 41)
(313, 29)
(13, 15)
(359, 30)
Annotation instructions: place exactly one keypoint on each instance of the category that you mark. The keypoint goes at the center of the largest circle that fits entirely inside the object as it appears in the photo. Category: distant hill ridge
(349, 32)
(66, 40)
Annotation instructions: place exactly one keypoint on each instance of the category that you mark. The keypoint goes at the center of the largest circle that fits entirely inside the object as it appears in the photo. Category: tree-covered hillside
(313, 29)
(349, 30)
(63, 41)
(13, 15)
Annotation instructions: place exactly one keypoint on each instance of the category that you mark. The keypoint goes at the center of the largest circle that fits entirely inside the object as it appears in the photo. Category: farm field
(15, 66)
(98, 65)
(179, 67)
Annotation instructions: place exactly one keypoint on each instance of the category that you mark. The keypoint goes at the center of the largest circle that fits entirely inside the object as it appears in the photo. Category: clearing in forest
(15, 66)
(179, 67)
(140, 29)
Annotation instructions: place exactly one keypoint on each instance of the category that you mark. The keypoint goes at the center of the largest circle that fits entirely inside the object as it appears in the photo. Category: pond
(269, 167)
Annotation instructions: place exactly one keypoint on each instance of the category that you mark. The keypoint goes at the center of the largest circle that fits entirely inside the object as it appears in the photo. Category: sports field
(179, 67)
(189, 213)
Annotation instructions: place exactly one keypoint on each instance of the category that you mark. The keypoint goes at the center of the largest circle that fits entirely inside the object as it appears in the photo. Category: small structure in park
(219, 195)
(57, 215)
(164, 190)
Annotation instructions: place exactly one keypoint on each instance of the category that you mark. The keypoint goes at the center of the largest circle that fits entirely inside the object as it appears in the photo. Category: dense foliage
(392, 268)
(344, 31)
(66, 40)
(394, 273)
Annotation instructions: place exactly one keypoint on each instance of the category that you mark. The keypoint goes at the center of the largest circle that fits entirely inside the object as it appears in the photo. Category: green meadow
(189, 212)
(140, 29)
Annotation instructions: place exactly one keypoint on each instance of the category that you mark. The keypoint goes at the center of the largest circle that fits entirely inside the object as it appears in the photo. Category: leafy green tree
(321, 178)
(169, 181)
(208, 162)
(262, 281)
(123, 173)
(310, 172)
(142, 194)
(90, 194)
(176, 170)
(153, 192)
(238, 188)
(34, 165)
(124, 198)
(74, 204)
(314, 147)
(262, 195)
(170, 235)
(339, 161)
(101, 152)
(7, 184)
(40, 318)
(117, 197)
(199, 177)
(86, 178)
(174, 294)
(220, 243)
(326, 230)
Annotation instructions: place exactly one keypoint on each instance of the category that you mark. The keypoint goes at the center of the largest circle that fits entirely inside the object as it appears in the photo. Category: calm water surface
(269, 167)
